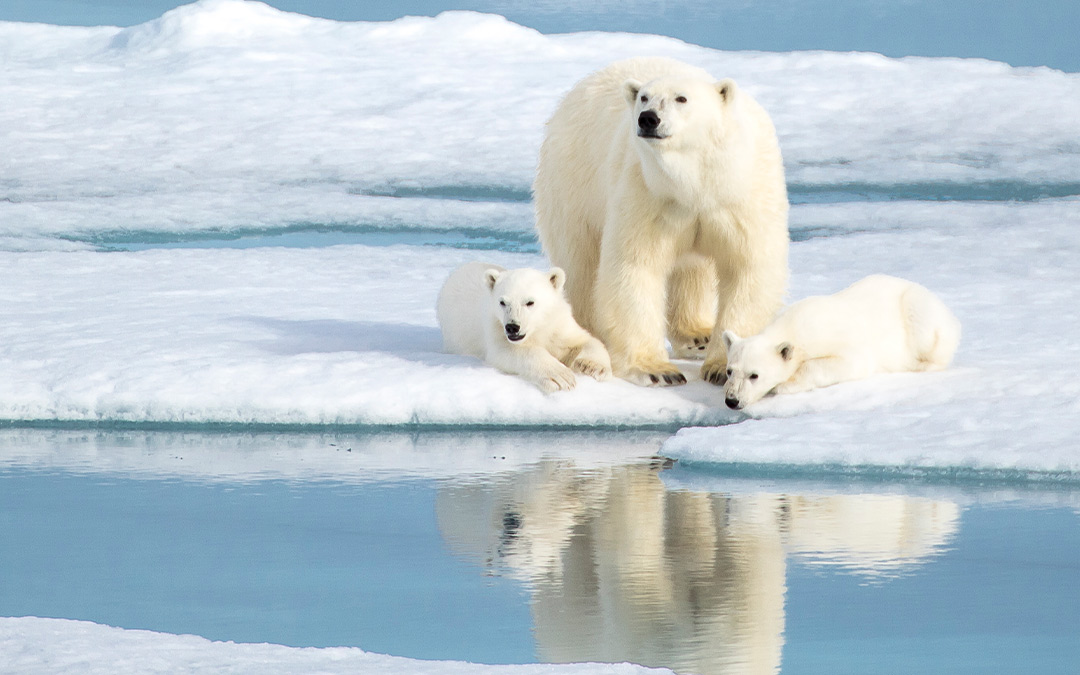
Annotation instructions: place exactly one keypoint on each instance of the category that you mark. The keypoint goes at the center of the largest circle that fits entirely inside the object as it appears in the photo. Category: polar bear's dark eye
(680, 99)
(729, 372)
(502, 303)
(530, 303)
(644, 99)
(753, 376)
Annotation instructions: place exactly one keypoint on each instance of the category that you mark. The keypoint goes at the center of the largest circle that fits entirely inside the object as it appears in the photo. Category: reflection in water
(623, 569)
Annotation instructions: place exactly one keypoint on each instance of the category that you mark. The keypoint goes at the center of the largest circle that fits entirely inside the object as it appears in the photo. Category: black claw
(654, 379)
(667, 378)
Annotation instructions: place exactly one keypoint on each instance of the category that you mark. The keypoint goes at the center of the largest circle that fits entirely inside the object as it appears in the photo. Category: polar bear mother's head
(675, 110)
(529, 303)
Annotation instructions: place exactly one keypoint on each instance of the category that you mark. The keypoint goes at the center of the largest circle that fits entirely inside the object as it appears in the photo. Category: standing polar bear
(519, 322)
(661, 193)
(879, 324)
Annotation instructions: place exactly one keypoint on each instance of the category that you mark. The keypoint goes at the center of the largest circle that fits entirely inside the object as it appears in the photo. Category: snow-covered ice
(141, 165)
(35, 645)
(232, 119)
(225, 114)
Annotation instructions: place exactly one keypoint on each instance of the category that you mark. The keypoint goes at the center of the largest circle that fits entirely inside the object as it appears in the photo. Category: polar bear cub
(880, 324)
(519, 322)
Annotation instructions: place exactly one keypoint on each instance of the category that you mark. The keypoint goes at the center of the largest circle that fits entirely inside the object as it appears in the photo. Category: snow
(36, 645)
(225, 114)
(232, 120)
(228, 119)
(165, 188)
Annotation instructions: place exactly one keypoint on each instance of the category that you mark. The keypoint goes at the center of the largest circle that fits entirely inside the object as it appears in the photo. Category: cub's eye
(644, 99)
(680, 99)
(753, 376)
(729, 372)
(530, 303)
(502, 303)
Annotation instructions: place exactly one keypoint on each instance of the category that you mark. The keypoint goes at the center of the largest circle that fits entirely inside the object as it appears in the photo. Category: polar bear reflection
(622, 569)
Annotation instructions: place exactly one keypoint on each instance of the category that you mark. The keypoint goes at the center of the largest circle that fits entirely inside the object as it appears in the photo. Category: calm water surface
(501, 548)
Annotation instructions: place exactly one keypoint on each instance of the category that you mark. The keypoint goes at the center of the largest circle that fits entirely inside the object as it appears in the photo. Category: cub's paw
(689, 346)
(591, 367)
(715, 372)
(659, 375)
(556, 379)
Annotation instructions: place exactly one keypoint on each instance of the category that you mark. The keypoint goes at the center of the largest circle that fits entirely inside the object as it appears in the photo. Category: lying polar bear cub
(879, 324)
(520, 322)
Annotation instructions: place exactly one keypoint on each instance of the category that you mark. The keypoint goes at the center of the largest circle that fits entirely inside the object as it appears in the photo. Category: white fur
(478, 302)
(879, 324)
(683, 236)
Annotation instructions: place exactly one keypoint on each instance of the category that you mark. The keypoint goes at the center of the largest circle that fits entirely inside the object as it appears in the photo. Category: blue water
(310, 234)
(539, 560)
(1035, 33)
(297, 563)
(1003, 599)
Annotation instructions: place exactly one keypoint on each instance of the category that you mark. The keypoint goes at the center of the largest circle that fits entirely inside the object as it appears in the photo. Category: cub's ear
(729, 338)
(491, 276)
(557, 278)
(630, 90)
(785, 350)
(726, 88)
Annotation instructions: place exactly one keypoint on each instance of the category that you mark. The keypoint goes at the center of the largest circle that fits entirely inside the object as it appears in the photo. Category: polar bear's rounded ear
(490, 277)
(785, 350)
(557, 277)
(630, 90)
(729, 338)
(726, 88)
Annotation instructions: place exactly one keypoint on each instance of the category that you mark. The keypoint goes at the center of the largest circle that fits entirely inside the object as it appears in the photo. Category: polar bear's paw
(715, 371)
(655, 375)
(556, 379)
(591, 367)
(689, 346)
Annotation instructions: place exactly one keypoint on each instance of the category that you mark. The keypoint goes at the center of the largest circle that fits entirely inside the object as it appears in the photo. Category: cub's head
(755, 366)
(526, 301)
(673, 111)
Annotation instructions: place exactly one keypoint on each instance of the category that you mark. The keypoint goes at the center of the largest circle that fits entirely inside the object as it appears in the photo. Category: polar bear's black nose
(512, 329)
(648, 120)
(732, 403)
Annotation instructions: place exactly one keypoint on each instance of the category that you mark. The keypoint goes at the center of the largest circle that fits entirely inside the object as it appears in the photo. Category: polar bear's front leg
(592, 359)
(749, 293)
(630, 302)
(820, 372)
(534, 364)
(692, 306)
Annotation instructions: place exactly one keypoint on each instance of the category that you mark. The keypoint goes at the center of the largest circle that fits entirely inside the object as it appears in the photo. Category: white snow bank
(33, 645)
(229, 114)
(332, 336)
(347, 336)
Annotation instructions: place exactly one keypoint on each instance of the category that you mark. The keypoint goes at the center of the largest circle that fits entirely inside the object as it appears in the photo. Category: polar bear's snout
(732, 403)
(513, 332)
(648, 124)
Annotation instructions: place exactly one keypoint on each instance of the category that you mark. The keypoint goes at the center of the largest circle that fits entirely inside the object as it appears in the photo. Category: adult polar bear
(661, 193)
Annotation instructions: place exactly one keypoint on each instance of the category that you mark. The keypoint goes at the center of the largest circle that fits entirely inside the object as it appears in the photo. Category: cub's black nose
(512, 329)
(648, 120)
(732, 403)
